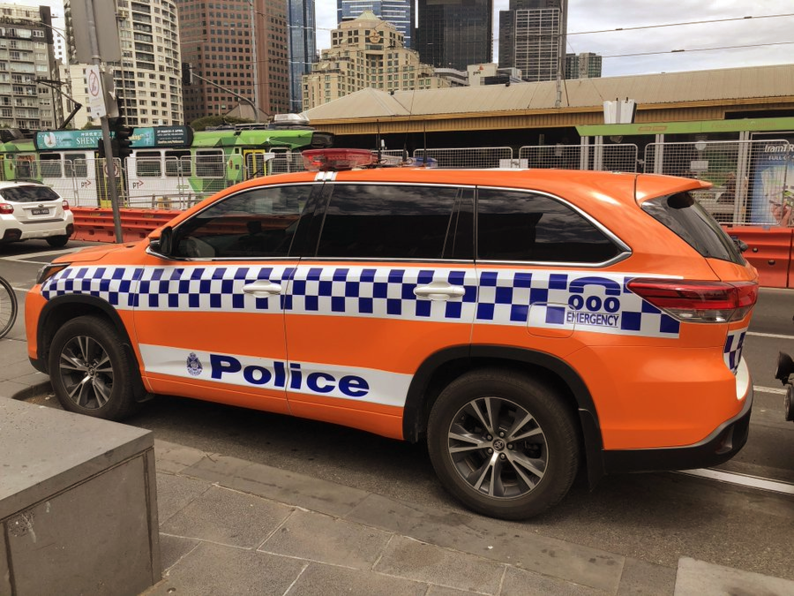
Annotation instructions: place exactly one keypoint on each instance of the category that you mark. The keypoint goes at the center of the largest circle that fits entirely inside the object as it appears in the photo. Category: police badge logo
(194, 367)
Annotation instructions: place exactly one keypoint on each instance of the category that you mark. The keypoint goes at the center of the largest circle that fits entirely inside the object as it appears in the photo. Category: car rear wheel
(504, 444)
(57, 241)
(90, 370)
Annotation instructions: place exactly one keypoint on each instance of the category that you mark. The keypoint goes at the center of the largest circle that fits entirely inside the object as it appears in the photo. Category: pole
(109, 165)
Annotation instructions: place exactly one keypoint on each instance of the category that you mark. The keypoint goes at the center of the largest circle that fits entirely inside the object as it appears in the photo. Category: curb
(33, 391)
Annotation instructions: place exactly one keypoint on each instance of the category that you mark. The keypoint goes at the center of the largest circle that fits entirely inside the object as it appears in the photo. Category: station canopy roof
(726, 85)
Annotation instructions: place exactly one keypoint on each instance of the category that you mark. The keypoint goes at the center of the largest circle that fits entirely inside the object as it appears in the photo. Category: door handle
(439, 290)
(262, 289)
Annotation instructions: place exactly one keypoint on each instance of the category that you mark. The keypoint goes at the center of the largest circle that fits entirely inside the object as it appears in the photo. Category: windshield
(29, 194)
(691, 222)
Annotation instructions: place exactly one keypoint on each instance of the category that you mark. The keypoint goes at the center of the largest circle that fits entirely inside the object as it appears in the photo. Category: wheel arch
(442, 367)
(61, 309)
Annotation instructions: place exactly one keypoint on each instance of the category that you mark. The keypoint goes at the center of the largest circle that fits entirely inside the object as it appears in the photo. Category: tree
(204, 122)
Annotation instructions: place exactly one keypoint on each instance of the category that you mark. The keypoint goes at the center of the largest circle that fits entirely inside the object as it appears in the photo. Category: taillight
(6, 209)
(698, 301)
(66, 205)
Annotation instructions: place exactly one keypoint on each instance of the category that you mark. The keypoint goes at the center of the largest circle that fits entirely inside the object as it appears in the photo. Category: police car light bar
(334, 160)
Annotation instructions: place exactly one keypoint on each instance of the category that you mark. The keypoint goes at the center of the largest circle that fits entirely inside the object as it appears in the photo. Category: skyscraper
(532, 38)
(397, 12)
(454, 33)
(26, 45)
(583, 66)
(148, 82)
(243, 46)
(302, 47)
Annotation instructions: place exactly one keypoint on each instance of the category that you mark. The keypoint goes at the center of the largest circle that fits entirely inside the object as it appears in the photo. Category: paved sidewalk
(229, 527)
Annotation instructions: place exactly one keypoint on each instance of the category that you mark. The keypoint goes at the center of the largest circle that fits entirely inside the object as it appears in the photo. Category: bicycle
(8, 307)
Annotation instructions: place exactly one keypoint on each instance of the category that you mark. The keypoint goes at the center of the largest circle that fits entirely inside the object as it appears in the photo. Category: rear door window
(524, 226)
(683, 215)
(387, 221)
(29, 194)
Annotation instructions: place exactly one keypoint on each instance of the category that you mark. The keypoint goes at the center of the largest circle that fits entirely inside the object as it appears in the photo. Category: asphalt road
(655, 517)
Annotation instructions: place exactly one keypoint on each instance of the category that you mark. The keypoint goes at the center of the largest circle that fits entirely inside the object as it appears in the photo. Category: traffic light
(122, 138)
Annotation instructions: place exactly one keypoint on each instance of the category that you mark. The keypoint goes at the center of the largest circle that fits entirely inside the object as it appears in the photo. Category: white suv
(29, 210)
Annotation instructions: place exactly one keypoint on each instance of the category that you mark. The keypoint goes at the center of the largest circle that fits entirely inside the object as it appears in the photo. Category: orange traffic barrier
(96, 224)
(769, 251)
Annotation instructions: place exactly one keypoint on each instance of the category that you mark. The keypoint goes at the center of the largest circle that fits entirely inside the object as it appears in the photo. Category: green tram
(170, 166)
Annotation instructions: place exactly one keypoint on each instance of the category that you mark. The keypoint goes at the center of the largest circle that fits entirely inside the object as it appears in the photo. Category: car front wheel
(503, 443)
(90, 370)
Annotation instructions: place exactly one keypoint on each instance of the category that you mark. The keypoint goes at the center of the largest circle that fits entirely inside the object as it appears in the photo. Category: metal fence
(611, 158)
(751, 182)
(469, 157)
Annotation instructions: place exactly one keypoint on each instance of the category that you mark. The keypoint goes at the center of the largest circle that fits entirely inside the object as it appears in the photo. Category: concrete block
(698, 578)
(338, 581)
(227, 517)
(78, 504)
(431, 564)
(518, 582)
(213, 569)
(318, 537)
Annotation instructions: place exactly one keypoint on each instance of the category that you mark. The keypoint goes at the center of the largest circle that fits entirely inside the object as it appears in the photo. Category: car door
(209, 319)
(387, 282)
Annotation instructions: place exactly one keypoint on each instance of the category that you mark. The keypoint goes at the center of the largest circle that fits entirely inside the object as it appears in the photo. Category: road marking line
(775, 486)
(773, 390)
(21, 290)
(772, 335)
(47, 253)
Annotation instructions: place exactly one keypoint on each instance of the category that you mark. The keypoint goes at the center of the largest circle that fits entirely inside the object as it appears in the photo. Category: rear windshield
(683, 215)
(29, 194)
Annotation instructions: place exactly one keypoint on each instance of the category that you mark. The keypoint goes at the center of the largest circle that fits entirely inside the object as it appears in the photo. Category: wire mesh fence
(750, 180)
(468, 157)
(611, 158)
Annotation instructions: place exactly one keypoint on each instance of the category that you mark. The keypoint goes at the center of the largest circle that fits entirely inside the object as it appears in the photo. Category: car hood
(93, 253)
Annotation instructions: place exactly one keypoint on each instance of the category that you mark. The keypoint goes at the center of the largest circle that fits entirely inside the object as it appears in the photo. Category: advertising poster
(772, 196)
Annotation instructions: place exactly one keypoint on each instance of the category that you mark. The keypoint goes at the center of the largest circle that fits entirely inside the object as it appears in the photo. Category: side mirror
(164, 243)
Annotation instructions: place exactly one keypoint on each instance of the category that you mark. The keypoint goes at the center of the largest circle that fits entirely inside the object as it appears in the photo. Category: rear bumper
(720, 446)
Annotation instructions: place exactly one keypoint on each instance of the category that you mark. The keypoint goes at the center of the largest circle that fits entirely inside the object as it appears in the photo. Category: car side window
(521, 226)
(387, 221)
(255, 223)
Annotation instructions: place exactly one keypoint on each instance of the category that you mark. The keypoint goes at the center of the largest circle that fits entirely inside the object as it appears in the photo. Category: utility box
(78, 504)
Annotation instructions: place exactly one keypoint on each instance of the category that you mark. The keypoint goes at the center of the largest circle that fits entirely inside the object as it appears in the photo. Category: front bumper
(720, 446)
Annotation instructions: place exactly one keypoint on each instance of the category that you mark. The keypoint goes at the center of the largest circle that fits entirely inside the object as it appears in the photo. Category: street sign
(96, 97)
(107, 31)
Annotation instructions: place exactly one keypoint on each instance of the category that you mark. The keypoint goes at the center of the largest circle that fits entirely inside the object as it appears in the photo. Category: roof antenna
(424, 140)
(377, 122)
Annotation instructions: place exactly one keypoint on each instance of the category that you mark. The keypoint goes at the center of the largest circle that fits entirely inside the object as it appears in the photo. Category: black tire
(8, 307)
(90, 371)
(57, 241)
(528, 469)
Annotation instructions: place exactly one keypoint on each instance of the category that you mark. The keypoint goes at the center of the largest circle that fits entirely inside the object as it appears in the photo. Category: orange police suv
(528, 324)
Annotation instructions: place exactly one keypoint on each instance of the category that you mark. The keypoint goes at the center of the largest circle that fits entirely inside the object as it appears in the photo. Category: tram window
(209, 164)
(147, 164)
(177, 163)
(75, 166)
(50, 165)
(26, 168)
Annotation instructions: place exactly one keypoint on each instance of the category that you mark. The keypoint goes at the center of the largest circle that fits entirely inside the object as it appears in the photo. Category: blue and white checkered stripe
(732, 352)
(538, 298)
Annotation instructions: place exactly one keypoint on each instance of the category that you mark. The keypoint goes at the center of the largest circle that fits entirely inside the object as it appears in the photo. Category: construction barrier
(96, 224)
(769, 251)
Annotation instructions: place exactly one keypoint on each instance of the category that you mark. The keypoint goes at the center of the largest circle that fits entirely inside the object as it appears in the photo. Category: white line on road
(772, 335)
(775, 486)
(48, 253)
(773, 390)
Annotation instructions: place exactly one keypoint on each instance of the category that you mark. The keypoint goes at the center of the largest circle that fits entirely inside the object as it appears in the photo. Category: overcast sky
(590, 15)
